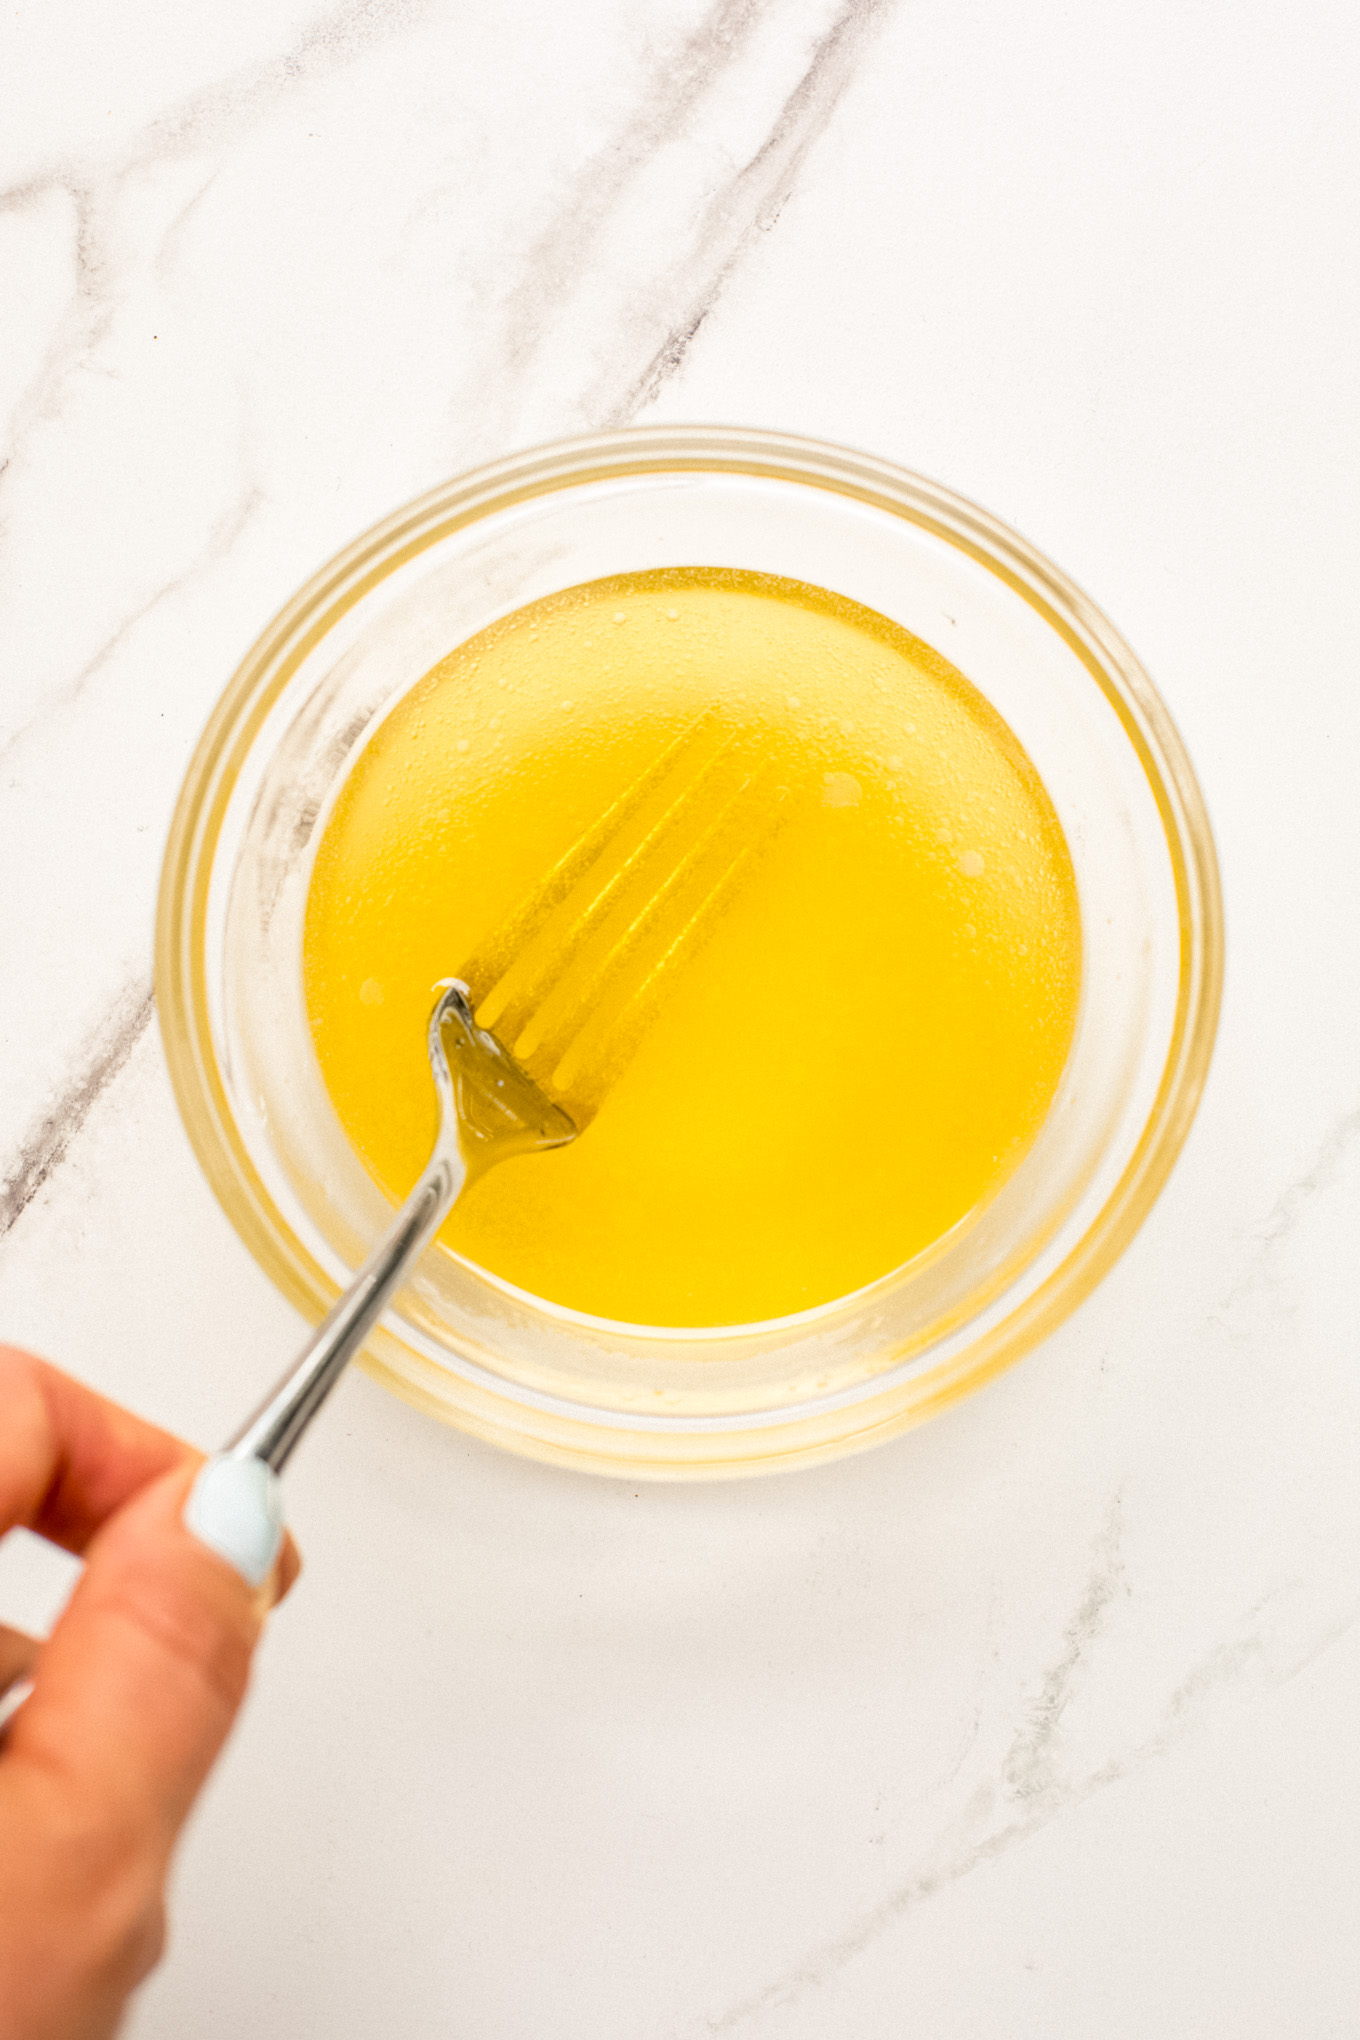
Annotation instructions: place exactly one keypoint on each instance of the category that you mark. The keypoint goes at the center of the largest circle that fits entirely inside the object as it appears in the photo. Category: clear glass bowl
(628, 1399)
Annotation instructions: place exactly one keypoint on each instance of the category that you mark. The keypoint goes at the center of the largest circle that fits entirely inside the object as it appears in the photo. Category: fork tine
(549, 1029)
(567, 1012)
(527, 983)
(605, 1043)
(490, 961)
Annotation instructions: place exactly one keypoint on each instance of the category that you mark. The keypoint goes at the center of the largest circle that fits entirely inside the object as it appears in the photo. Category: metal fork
(489, 1109)
(570, 977)
(570, 980)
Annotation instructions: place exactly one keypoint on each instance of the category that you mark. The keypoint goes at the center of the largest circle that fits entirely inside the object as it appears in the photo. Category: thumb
(140, 1680)
(134, 1693)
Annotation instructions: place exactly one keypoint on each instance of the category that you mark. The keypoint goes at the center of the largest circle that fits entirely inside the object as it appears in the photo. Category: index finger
(69, 1457)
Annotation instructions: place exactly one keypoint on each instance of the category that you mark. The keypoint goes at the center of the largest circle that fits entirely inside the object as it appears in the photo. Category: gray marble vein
(205, 122)
(1029, 1768)
(557, 258)
(750, 204)
(104, 265)
(1320, 1174)
(221, 538)
(999, 1818)
(49, 1141)
(591, 295)
(208, 121)
(670, 314)
(1291, 1207)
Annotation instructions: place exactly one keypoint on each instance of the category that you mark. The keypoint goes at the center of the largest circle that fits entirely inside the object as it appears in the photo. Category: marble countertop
(1041, 1721)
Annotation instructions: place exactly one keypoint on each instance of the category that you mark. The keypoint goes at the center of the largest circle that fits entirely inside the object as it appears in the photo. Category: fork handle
(276, 1427)
(249, 1538)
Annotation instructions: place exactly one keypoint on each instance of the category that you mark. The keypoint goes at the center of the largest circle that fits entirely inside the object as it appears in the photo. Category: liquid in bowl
(872, 962)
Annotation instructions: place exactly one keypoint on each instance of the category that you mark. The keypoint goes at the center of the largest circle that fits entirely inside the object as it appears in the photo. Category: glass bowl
(633, 1400)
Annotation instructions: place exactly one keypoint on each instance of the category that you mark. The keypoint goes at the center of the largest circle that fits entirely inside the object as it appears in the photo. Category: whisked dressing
(752, 881)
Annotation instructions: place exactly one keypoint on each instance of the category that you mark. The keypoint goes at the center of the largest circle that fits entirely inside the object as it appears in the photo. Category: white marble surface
(1041, 1721)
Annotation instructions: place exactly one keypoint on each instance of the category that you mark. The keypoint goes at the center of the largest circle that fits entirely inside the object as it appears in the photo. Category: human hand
(133, 1695)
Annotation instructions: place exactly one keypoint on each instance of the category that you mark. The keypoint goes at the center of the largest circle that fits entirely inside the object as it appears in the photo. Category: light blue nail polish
(236, 1508)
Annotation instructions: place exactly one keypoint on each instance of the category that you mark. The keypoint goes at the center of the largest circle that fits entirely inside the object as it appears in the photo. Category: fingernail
(236, 1508)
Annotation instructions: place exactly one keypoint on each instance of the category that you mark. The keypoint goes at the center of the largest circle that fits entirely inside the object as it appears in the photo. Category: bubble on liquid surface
(371, 992)
(841, 789)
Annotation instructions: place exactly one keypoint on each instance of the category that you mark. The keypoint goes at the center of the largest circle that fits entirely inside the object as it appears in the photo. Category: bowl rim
(181, 964)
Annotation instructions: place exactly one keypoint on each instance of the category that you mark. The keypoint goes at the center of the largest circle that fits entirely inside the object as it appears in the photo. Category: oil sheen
(809, 997)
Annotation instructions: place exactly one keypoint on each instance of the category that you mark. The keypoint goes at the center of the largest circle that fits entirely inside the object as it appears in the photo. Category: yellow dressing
(810, 999)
